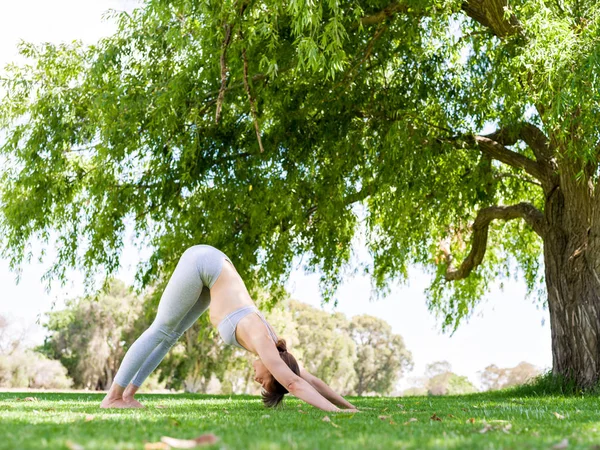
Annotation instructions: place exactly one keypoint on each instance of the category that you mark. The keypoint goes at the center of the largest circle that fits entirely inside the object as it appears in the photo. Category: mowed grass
(498, 420)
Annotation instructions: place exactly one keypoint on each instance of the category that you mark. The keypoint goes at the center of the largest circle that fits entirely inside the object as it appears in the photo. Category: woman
(205, 277)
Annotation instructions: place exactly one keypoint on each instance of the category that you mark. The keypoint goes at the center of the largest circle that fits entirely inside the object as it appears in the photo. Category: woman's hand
(326, 391)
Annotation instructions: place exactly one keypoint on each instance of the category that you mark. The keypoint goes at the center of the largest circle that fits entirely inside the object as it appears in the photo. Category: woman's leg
(180, 296)
(160, 352)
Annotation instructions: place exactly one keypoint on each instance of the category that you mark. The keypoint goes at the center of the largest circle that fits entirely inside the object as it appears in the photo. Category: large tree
(381, 356)
(494, 377)
(326, 348)
(467, 130)
(88, 337)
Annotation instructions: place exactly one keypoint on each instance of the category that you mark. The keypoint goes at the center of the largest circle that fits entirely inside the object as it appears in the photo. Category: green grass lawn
(498, 420)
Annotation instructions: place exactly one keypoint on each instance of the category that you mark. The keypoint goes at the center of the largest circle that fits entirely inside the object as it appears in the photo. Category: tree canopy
(259, 126)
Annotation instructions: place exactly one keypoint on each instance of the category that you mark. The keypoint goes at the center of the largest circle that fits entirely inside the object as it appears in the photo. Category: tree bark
(573, 292)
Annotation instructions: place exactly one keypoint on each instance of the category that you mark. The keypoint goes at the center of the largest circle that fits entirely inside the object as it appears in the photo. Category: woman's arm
(295, 384)
(325, 390)
(304, 391)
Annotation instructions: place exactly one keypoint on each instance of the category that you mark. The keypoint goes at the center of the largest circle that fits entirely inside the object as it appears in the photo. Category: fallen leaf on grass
(89, 418)
(391, 422)
(302, 412)
(265, 416)
(156, 446)
(225, 411)
(327, 419)
(161, 406)
(399, 405)
(435, 417)
(486, 428)
(562, 444)
(73, 446)
(205, 439)
(412, 419)
(472, 420)
(28, 399)
(451, 415)
(559, 416)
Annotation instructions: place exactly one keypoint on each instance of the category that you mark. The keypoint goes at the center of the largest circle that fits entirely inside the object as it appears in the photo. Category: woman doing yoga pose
(205, 277)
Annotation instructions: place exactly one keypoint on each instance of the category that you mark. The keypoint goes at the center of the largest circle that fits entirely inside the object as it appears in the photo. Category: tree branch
(500, 176)
(526, 211)
(223, 62)
(390, 10)
(491, 14)
(538, 142)
(528, 133)
(251, 100)
(497, 151)
(366, 56)
(357, 196)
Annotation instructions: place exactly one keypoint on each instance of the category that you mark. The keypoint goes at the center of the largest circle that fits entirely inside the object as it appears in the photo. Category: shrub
(28, 369)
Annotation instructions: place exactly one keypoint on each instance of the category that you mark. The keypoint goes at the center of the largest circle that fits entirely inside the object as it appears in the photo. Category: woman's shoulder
(254, 331)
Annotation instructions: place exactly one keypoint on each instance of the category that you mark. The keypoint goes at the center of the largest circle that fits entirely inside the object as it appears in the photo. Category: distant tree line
(87, 340)
(90, 336)
(440, 380)
(21, 367)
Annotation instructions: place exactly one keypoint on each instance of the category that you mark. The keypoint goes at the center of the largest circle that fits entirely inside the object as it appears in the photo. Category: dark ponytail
(274, 394)
(281, 345)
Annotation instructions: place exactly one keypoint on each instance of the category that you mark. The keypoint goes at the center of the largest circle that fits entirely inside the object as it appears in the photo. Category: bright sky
(505, 330)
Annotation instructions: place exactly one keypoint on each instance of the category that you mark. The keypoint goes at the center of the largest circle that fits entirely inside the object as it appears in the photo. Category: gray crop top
(229, 324)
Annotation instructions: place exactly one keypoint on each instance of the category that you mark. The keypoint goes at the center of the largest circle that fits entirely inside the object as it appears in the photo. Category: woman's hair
(275, 392)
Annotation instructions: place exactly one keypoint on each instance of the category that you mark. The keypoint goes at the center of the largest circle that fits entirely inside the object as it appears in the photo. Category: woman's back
(228, 294)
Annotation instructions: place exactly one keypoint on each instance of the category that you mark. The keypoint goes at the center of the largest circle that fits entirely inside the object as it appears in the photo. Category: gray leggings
(184, 300)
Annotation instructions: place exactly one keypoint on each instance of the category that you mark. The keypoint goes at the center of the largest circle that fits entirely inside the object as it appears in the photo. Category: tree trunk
(570, 257)
(360, 385)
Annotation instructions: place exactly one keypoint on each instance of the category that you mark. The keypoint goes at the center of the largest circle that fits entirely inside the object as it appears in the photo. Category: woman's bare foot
(118, 403)
(133, 402)
(114, 398)
(128, 396)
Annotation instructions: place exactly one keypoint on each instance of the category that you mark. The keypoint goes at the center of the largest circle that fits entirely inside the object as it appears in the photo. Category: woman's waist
(222, 307)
